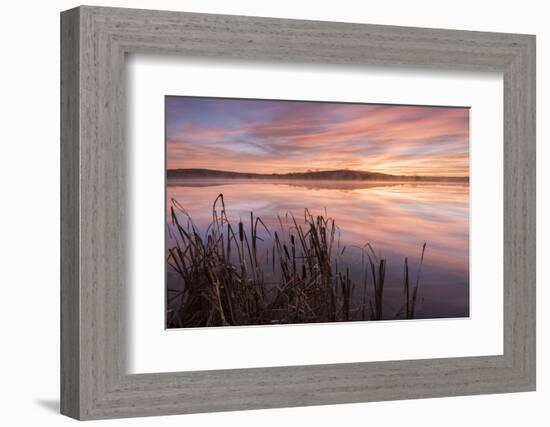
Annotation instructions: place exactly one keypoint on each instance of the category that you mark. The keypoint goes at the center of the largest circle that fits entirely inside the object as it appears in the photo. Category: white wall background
(29, 224)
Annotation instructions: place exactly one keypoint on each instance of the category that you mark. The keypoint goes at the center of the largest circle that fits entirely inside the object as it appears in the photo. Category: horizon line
(320, 171)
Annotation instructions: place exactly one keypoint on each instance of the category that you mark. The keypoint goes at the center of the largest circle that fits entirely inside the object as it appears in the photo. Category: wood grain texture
(94, 381)
(70, 242)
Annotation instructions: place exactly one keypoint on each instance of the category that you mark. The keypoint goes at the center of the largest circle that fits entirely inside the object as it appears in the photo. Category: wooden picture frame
(94, 382)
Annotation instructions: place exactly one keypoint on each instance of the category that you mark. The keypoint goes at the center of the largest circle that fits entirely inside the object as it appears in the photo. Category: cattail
(406, 288)
(241, 231)
(293, 249)
(311, 280)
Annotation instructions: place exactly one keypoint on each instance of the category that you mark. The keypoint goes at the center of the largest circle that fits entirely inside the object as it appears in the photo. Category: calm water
(396, 218)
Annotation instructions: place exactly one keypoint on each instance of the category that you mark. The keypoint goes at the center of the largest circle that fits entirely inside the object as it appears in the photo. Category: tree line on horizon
(338, 174)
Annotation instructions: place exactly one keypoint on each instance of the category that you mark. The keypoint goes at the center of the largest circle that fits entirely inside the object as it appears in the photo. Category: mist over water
(396, 218)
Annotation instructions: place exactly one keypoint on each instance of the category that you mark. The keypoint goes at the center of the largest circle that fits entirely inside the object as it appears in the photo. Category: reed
(228, 277)
(410, 299)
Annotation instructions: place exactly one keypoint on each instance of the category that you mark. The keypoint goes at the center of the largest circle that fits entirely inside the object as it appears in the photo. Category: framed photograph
(262, 213)
(271, 240)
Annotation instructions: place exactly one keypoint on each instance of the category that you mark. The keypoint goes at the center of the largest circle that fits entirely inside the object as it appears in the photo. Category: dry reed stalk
(224, 281)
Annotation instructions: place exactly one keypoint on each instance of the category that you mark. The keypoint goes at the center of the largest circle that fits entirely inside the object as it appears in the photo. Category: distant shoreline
(334, 175)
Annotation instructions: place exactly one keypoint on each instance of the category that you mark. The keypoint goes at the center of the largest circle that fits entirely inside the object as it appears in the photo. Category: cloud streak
(294, 136)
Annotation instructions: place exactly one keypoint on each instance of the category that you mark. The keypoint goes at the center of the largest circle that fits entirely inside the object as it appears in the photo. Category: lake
(396, 218)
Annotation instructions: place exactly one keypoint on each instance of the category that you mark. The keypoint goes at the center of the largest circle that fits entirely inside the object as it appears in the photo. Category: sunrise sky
(291, 136)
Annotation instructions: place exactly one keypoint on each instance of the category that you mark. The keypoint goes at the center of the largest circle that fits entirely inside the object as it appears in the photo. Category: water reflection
(395, 217)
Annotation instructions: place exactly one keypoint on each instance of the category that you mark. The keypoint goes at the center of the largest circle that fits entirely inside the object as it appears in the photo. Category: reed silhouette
(233, 275)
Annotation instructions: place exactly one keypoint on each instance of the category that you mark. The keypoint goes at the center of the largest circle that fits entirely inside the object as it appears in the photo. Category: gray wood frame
(94, 41)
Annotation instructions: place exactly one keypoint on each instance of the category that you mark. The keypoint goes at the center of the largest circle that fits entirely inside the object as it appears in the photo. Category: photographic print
(292, 212)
